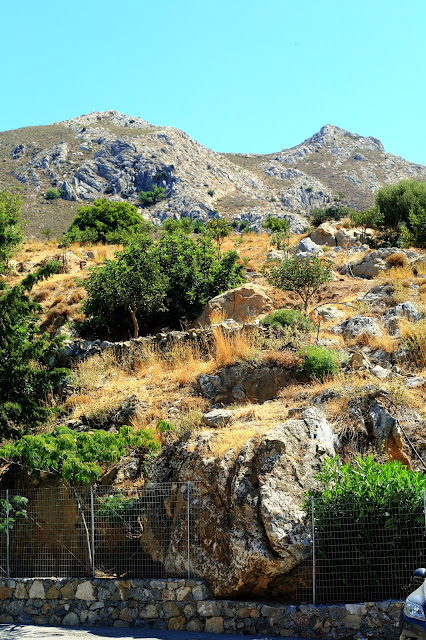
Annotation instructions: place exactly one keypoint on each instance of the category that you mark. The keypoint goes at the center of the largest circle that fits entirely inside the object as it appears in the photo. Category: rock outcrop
(242, 304)
(253, 527)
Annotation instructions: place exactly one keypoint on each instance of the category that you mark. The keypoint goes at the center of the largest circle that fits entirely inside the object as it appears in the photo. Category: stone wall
(184, 605)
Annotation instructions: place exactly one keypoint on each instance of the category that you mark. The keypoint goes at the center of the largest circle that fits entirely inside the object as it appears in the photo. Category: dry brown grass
(161, 379)
(397, 259)
(414, 336)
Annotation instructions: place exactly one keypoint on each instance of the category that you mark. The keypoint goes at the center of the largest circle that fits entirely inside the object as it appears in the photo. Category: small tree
(134, 282)
(54, 194)
(148, 198)
(25, 381)
(105, 221)
(302, 275)
(275, 224)
(371, 218)
(11, 233)
(218, 229)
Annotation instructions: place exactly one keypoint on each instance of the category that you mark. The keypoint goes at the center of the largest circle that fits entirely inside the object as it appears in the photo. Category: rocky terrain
(247, 427)
(108, 154)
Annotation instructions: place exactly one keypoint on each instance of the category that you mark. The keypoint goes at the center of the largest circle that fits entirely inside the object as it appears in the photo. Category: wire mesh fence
(364, 554)
(147, 532)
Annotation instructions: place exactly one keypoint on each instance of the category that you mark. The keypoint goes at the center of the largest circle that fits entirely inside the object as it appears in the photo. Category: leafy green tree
(302, 275)
(275, 224)
(396, 202)
(333, 212)
(195, 273)
(106, 221)
(11, 228)
(25, 381)
(417, 236)
(148, 198)
(218, 229)
(369, 219)
(134, 283)
(76, 457)
(157, 282)
(54, 194)
(185, 225)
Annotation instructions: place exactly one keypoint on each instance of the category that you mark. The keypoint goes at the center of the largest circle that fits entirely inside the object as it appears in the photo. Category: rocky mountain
(108, 154)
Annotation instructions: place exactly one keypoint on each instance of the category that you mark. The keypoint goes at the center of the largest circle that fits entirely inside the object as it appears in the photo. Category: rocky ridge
(112, 155)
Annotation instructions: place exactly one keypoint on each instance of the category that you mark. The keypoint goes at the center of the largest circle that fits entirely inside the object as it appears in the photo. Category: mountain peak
(330, 133)
(98, 118)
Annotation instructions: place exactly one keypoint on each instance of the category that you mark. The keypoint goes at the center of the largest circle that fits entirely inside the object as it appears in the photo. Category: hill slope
(108, 154)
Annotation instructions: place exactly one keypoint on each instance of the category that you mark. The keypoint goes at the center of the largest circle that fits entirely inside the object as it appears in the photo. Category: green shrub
(53, 194)
(148, 198)
(275, 224)
(334, 212)
(319, 362)
(106, 221)
(369, 520)
(289, 318)
(164, 426)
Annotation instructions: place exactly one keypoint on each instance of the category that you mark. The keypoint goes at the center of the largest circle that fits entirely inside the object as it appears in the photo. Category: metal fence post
(92, 518)
(7, 536)
(188, 518)
(313, 548)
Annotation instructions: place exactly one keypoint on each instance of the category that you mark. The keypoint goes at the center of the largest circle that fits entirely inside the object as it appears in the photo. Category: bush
(54, 194)
(369, 520)
(106, 221)
(165, 282)
(319, 362)
(275, 224)
(148, 198)
(334, 212)
(289, 318)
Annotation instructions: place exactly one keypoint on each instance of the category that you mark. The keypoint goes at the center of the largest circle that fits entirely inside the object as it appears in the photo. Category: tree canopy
(25, 381)
(106, 221)
(11, 228)
(76, 457)
(395, 202)
(302, 275)
(162, 282)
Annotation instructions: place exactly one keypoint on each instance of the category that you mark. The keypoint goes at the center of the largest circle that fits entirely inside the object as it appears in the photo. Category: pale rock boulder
(307, 247)
(242, 304)
(253, 529)
(325, 234)
(358, 326)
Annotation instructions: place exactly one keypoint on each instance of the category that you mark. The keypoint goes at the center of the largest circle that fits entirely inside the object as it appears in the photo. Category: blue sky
(237, 75)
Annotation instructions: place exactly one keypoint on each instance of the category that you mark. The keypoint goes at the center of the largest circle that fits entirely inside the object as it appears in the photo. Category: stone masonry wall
(184, 605)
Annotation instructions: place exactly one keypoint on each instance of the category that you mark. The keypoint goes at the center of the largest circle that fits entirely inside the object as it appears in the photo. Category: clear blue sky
(237, 75)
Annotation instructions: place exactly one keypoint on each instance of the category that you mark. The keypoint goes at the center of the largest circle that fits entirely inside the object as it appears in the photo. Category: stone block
(170, 610)
(71, 620)
(177, 624)
(85, 592)
(150, 611)
(208, 608)
(6, 593)
(126, 614)
(214, 625)
(37, 590)
(21, 591)
(195, 625)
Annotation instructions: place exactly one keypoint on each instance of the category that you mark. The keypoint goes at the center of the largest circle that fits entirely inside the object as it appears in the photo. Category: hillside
(108, 154)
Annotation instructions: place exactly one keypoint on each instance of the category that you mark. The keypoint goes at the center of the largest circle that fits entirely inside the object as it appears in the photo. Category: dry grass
(397, 259)
(163, 380)
(414, 337)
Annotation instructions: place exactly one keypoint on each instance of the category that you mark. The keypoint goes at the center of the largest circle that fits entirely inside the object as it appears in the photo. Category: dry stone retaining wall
(184, 605)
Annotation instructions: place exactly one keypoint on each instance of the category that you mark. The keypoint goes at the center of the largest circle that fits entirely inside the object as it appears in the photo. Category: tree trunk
(135, 322)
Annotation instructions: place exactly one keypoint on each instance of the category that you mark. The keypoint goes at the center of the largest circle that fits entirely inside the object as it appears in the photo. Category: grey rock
(357, 326)
(217, 418)
(307, 248)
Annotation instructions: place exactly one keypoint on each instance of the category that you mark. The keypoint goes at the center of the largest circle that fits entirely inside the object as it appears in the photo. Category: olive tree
(303, 275)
